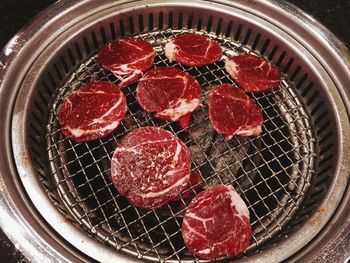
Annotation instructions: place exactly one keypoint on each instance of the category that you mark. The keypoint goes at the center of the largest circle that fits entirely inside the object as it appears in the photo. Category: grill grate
(271, 172)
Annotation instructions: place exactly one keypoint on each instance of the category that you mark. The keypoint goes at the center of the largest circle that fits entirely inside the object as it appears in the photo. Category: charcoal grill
(57, 195)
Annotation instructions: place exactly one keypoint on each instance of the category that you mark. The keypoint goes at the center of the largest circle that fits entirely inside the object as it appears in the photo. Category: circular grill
(272, 171)
(291, 177)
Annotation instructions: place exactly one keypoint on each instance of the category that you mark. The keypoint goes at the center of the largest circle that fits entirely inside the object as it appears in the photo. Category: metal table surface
(334, 14)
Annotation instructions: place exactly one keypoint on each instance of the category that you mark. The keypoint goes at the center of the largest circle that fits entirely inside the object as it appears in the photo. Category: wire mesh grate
(271, 172)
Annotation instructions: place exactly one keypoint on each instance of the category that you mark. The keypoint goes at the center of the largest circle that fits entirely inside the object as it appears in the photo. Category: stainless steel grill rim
(21, 172)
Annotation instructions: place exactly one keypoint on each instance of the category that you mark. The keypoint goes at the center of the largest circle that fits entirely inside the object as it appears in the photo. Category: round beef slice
(92, 112)
(129, 57)
(252, 73)
(169, 92)
(232, 112)
(150, 167)
(216, 224)
(193, 50)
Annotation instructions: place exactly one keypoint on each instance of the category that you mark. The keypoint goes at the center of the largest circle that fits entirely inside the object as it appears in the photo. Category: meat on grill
(150, 166)
(217, 224)
(232, 112)
(193, 50)
(129, 57)
(253, 74)
(194, 185)
(92, 112)
(169, 92)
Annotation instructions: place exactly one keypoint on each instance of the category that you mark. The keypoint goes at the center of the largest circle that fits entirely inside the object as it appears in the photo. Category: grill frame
(27, 169)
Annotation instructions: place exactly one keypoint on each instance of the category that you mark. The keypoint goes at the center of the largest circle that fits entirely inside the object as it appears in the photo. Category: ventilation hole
(307, 89)
(35, 129)
(44, 182)
(302, 80)
(238, 32)
(36, 120)
(265, 46)
(322, 178)
(316, 108)
(312, 98)
(210, 23)
(66, 69)
(86, 45)
(48, 91)
(200, 23)
(247, 37)
(94, 39)
(316, 193)
(326, 159)
(52, 80)
(141, 27)
(103, 35)
(190, 21)
(281, 58)
(150, 21)
(43, 98)
(58, 73)
(323, 127)
(219, 27)
(160, 21)
(295, 73)
(322, 116)
(326, 149)
(38, 107)
(170, 20)
(307, 209)
(229, 28)
(179, 24)
(42, 104)
(121, 28)
(71, 57)
(256, 41)
(112, 29)
(38, 163)
(77, 49)
(34, 147)
(64, 212)
(296, 223)
(325, 170)
(273, 52)
(325, 138)
(131, 25)
(289, 64)
(53, 197)
(40, 166)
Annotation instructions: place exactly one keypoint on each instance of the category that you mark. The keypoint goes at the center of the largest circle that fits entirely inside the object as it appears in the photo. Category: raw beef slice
(92, 112)
(253, 74)
(193, 50)
(169, 92)
(194, 185)
(127, 57)
(217, 224)
(232, 112)
(150, 167)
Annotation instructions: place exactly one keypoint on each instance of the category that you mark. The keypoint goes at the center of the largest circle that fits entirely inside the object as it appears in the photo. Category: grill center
(271, 172)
